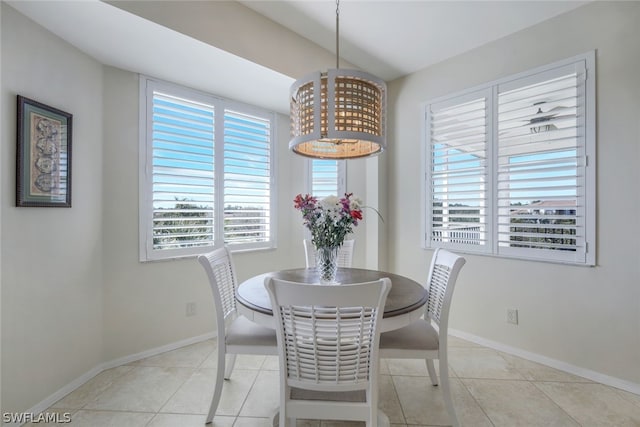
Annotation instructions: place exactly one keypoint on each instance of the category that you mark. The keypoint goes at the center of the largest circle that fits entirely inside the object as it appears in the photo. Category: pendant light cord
(337, 34)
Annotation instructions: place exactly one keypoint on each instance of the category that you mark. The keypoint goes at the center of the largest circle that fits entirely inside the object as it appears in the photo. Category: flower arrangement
(329, 219)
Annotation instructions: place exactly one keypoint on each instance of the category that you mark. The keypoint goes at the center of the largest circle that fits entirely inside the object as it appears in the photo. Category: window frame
(146, 210)
(491, 90)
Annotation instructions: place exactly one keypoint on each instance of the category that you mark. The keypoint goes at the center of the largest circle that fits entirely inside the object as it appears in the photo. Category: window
(327, 177)
(510, 166)
(206, 173)
(459, 148)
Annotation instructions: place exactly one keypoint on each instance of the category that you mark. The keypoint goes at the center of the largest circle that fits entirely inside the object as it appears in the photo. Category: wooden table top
(406, 295)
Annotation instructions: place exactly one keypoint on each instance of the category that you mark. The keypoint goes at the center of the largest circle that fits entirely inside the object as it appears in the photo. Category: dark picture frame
(43, 158)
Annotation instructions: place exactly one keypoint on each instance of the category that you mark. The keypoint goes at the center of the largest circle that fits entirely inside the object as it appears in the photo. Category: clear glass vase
(327, 264)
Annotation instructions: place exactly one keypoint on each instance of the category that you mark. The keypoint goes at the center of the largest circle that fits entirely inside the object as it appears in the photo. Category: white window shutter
(247, 178)
(458, 209)
(510, 166)
(182, 173)
(206, 173)
(327, 177)
(541, 193)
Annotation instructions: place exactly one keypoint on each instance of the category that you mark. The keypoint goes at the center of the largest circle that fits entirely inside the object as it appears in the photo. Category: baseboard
(155, 351)
(53, 398)
(553, 363)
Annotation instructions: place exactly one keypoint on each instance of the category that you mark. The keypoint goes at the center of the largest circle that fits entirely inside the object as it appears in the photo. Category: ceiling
(394, 38)
(386, 38)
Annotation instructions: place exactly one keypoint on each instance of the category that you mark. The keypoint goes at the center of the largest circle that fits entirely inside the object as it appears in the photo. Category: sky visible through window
(324, 177)
(185, 182)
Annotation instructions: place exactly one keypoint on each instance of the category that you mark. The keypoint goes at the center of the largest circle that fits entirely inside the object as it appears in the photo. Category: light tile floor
(489, 388)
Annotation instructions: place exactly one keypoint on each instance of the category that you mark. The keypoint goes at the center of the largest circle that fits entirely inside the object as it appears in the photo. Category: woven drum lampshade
(338, 114)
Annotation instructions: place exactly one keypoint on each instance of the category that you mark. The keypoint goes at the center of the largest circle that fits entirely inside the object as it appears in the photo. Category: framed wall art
(43, 169)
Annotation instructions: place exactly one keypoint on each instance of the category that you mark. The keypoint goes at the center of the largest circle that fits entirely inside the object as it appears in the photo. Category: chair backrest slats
(329, 335)
(222, 278)
(443, 274)
(335, 345)
(437, 290)
(223, 273)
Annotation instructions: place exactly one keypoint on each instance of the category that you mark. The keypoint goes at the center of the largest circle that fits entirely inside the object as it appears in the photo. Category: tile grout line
(244, 401)
(395, 391)
(535, 384)
(466, 388)
(172, 395)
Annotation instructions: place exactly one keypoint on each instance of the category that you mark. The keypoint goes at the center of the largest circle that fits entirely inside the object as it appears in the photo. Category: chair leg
(446, 389)
(383, 419)
(217, 391)
(283, 421)
(377, 419)
(285, 394)
(373, 418)
(230, 364)
(432, 371)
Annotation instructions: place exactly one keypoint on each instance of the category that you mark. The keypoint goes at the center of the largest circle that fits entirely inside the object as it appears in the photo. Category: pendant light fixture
(338, 114)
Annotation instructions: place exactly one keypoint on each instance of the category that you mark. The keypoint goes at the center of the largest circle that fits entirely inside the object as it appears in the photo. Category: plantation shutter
(541, 193)
(458, 133)
(327, 177)
(182, 173)
(206, 173)
(247, 178)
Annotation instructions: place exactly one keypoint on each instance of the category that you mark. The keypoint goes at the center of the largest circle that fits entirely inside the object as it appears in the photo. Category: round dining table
(404, 303)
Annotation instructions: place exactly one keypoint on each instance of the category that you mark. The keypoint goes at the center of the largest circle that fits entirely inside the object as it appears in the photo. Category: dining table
(405, 301)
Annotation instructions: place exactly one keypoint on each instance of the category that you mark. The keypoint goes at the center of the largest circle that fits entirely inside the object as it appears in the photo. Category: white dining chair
(236, 334)
(426, 338)
(328, 350)
(345, 253)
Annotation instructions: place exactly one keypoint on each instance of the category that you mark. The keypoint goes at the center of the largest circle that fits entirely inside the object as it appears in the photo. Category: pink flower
(329, 219)
(306, 202)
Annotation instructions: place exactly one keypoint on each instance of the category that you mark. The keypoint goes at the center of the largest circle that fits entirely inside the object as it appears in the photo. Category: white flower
(355, 204)
(329, 202)
(333, 214)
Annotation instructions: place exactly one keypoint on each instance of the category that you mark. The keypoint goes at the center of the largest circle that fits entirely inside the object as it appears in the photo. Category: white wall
(145, 303)
(585, 317)
(74, 295)
(51, 257)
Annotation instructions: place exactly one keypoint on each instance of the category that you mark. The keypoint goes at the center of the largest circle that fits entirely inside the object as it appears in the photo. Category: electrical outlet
(191, 309)
(512, 316)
